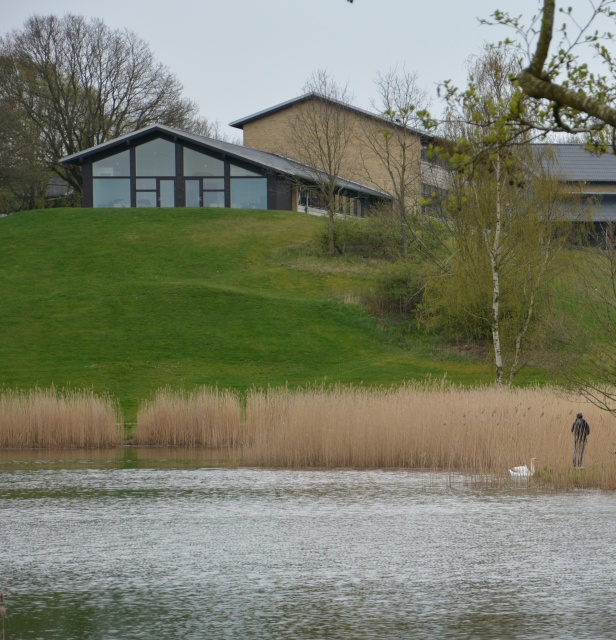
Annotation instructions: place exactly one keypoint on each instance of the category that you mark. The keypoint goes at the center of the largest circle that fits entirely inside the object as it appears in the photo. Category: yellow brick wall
(274, 133)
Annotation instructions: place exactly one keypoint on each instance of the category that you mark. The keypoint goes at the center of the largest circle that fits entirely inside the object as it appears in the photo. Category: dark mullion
(133, 177)
(227, 184)
(179, 193)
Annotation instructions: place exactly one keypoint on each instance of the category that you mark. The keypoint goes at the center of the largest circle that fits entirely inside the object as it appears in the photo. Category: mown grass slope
(128, 301)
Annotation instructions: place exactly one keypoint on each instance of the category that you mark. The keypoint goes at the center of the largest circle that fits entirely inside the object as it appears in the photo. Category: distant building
(274, 130)
(593, 173)
(159, 166)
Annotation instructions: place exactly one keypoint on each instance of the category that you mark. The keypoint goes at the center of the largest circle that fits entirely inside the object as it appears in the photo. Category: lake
(153, 544)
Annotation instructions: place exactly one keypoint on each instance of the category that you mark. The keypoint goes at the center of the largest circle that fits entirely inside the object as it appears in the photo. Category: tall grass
(48, 418)
(201, 418)
(437, 427)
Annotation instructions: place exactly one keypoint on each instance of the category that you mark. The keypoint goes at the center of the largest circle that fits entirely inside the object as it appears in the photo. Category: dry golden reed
(436, 427)
(201, 418)
(49, 419)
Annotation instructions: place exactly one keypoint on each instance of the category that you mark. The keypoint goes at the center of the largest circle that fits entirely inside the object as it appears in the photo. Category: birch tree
(508, 217)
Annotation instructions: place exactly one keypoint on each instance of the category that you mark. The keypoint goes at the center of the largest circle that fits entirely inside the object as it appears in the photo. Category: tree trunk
(494, 252)
(331, 239)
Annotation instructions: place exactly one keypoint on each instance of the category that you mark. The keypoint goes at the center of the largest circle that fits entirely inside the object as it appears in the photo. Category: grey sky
(235, 57)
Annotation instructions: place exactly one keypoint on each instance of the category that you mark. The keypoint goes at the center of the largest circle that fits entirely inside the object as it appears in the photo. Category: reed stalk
(48, 419)
(434, 427)
(201, 418)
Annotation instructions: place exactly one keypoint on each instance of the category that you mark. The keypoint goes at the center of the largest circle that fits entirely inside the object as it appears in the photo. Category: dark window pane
(117, 165)
(111, 192)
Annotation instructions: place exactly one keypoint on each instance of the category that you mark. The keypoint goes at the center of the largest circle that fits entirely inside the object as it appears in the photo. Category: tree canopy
(75, 83)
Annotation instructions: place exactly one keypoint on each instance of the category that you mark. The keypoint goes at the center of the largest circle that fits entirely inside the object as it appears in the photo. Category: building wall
(598, 187)
(279, 133)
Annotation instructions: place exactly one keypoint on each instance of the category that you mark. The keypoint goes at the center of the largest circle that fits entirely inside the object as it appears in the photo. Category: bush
(372, 237)
(398, 290)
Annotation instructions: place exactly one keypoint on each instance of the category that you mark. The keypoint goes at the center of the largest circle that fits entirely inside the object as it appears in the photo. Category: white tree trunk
(494, 251)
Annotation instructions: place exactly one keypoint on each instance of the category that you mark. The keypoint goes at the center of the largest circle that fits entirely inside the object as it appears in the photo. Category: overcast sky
(236, 57)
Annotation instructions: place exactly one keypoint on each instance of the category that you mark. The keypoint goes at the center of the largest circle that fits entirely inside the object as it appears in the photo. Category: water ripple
(247, 553)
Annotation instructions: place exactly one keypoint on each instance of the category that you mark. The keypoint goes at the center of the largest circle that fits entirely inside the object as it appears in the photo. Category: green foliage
(373, 237)
(398, 290)
(129, 301)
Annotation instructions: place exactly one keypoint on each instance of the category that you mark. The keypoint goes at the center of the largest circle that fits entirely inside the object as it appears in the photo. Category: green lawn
(128, 301)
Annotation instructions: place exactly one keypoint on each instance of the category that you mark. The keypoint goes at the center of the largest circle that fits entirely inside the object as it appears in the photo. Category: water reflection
(125, 549)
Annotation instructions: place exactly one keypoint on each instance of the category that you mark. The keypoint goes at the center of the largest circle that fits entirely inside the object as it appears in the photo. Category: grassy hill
(128, 301)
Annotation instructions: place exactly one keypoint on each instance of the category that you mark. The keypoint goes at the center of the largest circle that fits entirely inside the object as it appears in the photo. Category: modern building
(159, 166)
(377, 147)
(594, 174)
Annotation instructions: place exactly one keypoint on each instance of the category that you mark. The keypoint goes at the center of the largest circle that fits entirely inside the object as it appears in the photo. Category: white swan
(524, 471)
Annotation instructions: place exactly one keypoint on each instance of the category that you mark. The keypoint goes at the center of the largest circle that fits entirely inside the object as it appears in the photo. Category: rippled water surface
(112, 548)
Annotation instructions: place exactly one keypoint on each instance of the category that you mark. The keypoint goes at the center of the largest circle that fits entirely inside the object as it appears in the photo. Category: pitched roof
(575, 163)
(239, 124)
(269, 161)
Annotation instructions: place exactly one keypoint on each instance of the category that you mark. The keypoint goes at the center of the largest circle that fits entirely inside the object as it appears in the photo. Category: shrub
(398, 290)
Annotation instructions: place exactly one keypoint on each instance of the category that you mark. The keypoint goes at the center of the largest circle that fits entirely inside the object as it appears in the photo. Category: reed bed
(434, 427)
(201, 418)
(52, 419)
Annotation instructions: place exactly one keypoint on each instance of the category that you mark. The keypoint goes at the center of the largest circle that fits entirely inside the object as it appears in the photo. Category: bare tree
(321, 132)
(79, 83)
(23, 173)
(394, 141)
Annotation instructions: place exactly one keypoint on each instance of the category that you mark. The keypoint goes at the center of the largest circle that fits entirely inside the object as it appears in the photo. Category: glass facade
(146, 198)
(249, 193)
(200, 164)
(110, 192)
(193, 193)
(214, 184)
(167, 193)
(147, 175)
(155, 158)
(213, 198)
(239, 172)
(113, 166)
(146, 183)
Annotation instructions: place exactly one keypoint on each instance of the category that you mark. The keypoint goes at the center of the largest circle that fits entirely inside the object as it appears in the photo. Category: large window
(111, 192)
(206, 182)
(113, 166)
(213, 198)
(200, 164)
(155, 158)
(248, 189)
(240, 172)
(193, 193)
(146, 175)
(249, 193)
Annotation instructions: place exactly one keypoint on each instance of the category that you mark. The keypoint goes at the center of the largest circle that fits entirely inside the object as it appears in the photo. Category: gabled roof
(268, 161)
(575, 163)
(313, 95)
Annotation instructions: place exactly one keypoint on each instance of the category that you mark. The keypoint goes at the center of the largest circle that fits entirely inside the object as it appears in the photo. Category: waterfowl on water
(524, 471)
